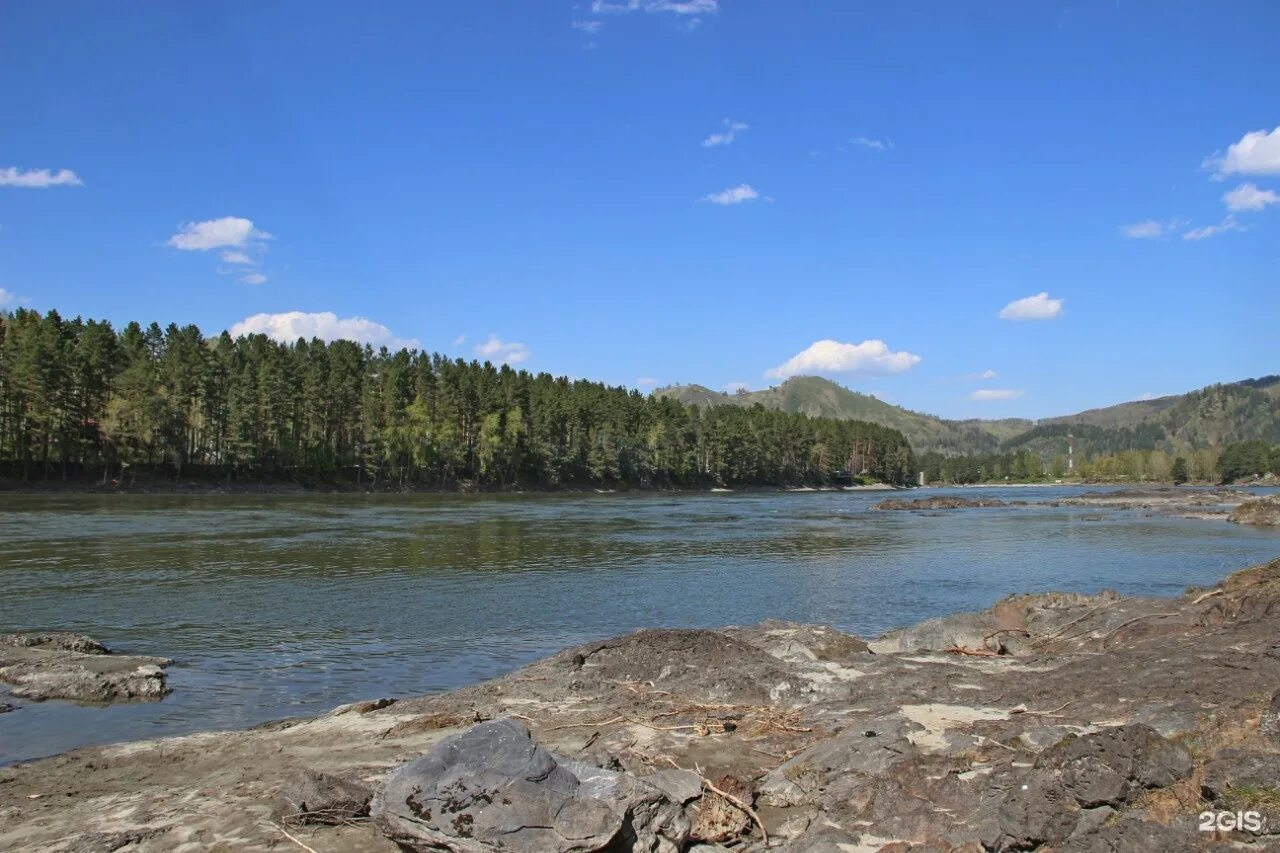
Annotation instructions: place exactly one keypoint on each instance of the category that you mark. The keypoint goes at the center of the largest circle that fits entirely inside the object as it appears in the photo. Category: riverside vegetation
(79, 400)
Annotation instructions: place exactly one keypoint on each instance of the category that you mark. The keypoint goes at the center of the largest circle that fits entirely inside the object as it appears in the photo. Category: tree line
(79, 399)
(1233, 462)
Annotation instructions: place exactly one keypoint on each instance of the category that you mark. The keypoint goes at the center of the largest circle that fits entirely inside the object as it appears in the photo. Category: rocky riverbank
(1067, 721)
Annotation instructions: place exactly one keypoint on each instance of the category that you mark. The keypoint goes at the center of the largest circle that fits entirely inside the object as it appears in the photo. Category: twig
(1210, 594)
(294, 840)
(976, 653)
(1113, 631)
(1021, 631)
(764, 833)
(1076, 621)
(590, 723)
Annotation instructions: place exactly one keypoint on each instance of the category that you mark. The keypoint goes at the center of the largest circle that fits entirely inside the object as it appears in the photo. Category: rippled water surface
(288, 605)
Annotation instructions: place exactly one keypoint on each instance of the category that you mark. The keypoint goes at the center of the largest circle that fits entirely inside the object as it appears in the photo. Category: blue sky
(533, 181)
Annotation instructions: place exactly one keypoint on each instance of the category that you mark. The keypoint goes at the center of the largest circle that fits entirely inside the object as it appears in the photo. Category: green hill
(818, 397)
(1212, 416)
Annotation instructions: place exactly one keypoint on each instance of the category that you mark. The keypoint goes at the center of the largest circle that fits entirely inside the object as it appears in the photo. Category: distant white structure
(920, 479)
(1071, 459)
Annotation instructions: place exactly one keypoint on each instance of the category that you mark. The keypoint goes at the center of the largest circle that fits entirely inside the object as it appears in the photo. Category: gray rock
(1263, 512)
(680, 786)
(61, 665)
(1239, 768)
(491, 788)
(6, 707)
(1111, 766)
(1131, 834)
(1269, 724)
(316, 797)
(1037, 813)
(63, 641)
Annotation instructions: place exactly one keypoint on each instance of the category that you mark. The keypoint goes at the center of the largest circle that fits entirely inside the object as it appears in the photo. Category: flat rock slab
(72, 666)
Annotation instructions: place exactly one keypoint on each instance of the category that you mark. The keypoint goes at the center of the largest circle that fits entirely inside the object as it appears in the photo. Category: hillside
(818, 397)
(1215, 415)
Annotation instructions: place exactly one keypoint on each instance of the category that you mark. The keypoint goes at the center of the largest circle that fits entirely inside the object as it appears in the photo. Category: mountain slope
(818, 397)
(1212, 416)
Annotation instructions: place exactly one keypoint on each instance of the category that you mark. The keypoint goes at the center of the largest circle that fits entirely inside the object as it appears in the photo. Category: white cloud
(725, 137)
(459, 340)
(1228, 224)
(983, 376)
(287, 327)
(588, 27)
(646, 381)
(232, 231)
(1038, 307)
(873, 144)
(235, 256)
(1257, 153)
(1147, 395)
(733, 195)
(675, 7)
(253, 278)
(12, 176)
(995, 394)
(7, 298)
(496, 349)
(1151, 229)
(828, 356)
(1249, 197)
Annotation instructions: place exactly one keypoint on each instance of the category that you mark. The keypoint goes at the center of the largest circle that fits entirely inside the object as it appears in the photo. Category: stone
(1261, 512)
(493, 786)
(317, 797)
(1037, 813)
(1111, 766)
(62, 665)
(1269, 723)
(1230, 769)
(63, 641)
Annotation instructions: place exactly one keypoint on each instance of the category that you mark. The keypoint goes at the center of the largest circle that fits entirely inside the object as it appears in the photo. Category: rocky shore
(1066, 721)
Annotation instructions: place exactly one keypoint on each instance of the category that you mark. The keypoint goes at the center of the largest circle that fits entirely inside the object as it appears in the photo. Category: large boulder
(1110, 767)
(492, 787)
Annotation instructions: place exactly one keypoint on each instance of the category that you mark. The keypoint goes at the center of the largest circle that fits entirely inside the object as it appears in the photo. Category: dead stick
(294, 840)
(1113, 631)
(764, 834)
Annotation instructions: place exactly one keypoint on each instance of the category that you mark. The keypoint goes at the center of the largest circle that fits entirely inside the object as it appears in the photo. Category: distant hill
(818, 397)
(1211, 416)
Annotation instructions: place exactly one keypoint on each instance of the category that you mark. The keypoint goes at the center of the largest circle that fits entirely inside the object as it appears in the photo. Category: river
(287, 605)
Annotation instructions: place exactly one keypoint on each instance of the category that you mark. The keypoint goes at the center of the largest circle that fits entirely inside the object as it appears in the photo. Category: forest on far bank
(81, 400)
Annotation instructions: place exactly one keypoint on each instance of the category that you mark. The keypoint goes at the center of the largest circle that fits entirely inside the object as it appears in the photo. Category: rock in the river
(62, 665)
(947, 502)
(6, 707)
(1263, 512)
(493, 788)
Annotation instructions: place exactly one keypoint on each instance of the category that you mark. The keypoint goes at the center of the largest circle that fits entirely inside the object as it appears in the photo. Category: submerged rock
(492, 788)
(72, 666)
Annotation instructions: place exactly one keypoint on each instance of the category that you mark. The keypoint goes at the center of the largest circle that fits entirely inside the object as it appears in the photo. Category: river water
(288, 605)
